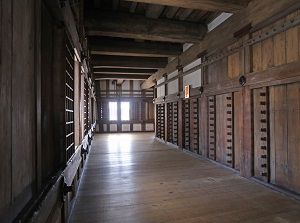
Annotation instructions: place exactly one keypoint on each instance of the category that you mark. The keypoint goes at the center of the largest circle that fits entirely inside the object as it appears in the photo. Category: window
(124, 111)
(113, 114)
(113, 111)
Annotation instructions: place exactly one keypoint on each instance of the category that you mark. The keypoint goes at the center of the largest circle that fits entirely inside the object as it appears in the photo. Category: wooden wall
(35, 161)
(253, 128)
(18, 43)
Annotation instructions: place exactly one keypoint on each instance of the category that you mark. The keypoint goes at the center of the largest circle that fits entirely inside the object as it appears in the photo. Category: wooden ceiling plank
(186, 13)
(113, 46)
(154, 11)
(171, 12)
(98, 61)
(208, 5)
(101, 23)
(133, 7)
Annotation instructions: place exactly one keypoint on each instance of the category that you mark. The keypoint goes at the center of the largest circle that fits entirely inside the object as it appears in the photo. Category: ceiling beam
(125, 25)
(124, 47)
(99, 61)
(116, 5)
(123, 71)
(208, 5)
(120, 76)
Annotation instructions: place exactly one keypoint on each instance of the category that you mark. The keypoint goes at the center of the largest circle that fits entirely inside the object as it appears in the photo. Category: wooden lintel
(243, 31)
(255, 14)
(208, 5)
(101, 23)
(123, 71)
(98, 61)
(125, 47)
(120, 76)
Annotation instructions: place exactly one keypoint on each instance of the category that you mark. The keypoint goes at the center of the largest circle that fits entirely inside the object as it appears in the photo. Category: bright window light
(125, 111)
(113, 114)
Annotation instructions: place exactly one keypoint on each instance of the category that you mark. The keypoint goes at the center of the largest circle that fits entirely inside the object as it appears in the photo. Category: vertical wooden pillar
(166, 109)
(143, 111)
(131, 104)
(119, 122)
(180, 108)
(246, 140)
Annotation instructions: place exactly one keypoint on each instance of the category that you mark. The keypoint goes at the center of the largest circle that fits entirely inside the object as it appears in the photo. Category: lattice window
(86, 106)
(135, 111)
(69, 101)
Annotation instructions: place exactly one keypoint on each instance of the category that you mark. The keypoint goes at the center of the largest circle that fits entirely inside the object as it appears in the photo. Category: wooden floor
(133, 178)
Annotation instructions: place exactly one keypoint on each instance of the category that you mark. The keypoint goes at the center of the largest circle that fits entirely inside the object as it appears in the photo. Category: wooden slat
(267, 59)
(120, 76)
(122, 71)
(154, 11)
(237, 130)
(257, 54)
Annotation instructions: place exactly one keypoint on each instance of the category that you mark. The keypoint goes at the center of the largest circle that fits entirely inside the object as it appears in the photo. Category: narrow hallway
(133, 178)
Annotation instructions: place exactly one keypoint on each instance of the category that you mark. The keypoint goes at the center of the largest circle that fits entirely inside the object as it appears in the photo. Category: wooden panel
(221, 128)
(280, 137)
(261, 133)
(267, 57)
(257, 54)
(292, 40)
(5, 101)
(234, 62)
(293, 143)
(211, 127)
(279, 47)
(23, 106)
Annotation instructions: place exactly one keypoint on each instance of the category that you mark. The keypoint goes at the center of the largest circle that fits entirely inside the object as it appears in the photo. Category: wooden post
(246, 140)
(180, 107)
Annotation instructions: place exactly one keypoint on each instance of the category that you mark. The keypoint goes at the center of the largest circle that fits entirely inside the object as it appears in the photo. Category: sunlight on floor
(120, 143)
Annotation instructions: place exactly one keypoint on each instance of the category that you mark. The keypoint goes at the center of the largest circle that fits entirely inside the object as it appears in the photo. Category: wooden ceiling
(132, 39)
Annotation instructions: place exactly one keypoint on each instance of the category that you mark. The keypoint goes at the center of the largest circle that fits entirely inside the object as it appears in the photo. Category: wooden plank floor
(133, 178)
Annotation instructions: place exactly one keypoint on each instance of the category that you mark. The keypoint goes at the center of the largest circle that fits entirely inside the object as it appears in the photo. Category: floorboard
(133, 178)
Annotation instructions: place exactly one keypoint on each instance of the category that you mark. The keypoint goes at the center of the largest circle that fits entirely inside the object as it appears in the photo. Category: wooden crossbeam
(98, 61)
(123, 71)
(125, 47)
(126, 25)
(120, 76)
(208, 5)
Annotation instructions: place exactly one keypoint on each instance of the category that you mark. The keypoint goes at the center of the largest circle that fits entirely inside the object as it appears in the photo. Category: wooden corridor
(133, 178)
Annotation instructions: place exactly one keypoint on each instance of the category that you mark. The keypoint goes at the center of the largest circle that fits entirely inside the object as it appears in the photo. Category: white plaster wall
(102, 85)
(126, 85)
(193, 79)
(113, 127)
(137, 127)
(217, 21)
(136, 86)
(125, 127)
(105, 127)
(173, 87)
(149, 127)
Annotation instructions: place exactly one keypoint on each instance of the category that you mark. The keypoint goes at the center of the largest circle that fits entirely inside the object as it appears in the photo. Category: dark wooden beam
(124, 47)
(208, 5)
(120, 76)
(123, 71)
(98, 61)
(125, 25)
